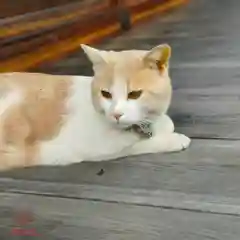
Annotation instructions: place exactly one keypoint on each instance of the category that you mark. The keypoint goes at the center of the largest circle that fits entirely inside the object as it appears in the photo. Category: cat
(59, 120)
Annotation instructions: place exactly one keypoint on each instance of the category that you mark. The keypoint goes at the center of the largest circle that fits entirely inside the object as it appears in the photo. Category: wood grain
(97, 220)
(27, 41)
(10, 8)
(203, 203)
(68, 30)
(20, 26)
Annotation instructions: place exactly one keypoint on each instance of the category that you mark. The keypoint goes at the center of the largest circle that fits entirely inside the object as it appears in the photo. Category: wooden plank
(204, 203)
(50, 18)
(210, 51)
(54, 51)
(24, 34)
(207, 167)
(204, 104)
(59, 34)
(35, 50)
(10, 8)
(55, 218)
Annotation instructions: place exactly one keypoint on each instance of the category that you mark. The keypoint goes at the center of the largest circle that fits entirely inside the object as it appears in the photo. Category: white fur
(87, 136)
(119, 104)
(9, 98)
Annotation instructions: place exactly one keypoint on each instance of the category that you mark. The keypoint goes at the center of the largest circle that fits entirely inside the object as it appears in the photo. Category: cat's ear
(94, 55)
(158, 57)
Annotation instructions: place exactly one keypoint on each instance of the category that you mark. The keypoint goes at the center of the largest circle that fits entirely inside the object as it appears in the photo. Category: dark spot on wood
(101, 172)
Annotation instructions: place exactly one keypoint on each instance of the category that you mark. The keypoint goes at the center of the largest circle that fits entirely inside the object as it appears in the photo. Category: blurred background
(34, 34)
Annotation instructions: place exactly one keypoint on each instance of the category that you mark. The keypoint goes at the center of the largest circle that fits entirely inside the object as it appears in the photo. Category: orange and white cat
(59, 120)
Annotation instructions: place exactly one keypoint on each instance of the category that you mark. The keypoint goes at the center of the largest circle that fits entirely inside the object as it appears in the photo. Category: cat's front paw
(180, 142)
(185, 141)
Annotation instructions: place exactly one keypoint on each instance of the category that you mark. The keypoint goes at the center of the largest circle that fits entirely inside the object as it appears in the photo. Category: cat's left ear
(158, 57)
(94, 55)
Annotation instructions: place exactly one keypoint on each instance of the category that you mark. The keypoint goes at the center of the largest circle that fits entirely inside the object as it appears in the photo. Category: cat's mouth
(122, 125)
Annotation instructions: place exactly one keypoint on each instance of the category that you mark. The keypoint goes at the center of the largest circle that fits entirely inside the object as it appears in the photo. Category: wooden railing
(30, 39)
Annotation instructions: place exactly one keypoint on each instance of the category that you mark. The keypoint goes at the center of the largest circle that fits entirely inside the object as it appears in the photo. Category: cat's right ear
(94, 55)
(158, 57)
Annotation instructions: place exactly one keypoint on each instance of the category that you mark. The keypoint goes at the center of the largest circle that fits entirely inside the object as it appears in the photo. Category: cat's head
(130, 87)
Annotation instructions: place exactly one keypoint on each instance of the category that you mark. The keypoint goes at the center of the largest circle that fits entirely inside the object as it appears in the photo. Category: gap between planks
(155, 198)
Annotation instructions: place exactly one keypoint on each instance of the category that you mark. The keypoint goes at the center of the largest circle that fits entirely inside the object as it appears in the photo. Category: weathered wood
(95, 220)
(204, 203)
(23, 26)
(29, 40)
(63, 31)
(24, 34)
(10, 8)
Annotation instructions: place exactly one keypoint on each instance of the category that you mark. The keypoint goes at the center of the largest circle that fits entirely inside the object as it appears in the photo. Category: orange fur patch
(38, 117)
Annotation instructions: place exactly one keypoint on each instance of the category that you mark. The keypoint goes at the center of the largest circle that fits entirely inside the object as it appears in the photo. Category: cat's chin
(122, 125)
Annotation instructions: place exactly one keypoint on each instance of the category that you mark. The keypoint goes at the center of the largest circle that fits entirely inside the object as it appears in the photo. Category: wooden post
(113, 3)
(124, 15)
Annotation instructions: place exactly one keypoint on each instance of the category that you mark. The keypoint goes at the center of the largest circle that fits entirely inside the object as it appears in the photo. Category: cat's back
(29, 83)
(39, 98)
(35, 108)
(40, 86)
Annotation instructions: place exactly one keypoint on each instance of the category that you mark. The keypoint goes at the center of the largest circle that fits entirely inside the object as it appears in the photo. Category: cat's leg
(163, 140)
(172, 142)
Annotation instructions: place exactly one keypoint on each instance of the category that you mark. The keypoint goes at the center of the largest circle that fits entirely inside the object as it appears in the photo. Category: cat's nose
(117, 116)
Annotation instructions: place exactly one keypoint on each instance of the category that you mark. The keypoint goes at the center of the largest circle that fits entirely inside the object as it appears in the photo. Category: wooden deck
(193, 195)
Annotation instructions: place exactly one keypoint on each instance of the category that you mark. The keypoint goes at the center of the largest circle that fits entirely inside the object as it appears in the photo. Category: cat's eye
(135, 94)
(106, 94)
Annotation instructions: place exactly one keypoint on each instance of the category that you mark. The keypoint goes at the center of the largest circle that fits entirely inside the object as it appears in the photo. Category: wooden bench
(33, 37)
